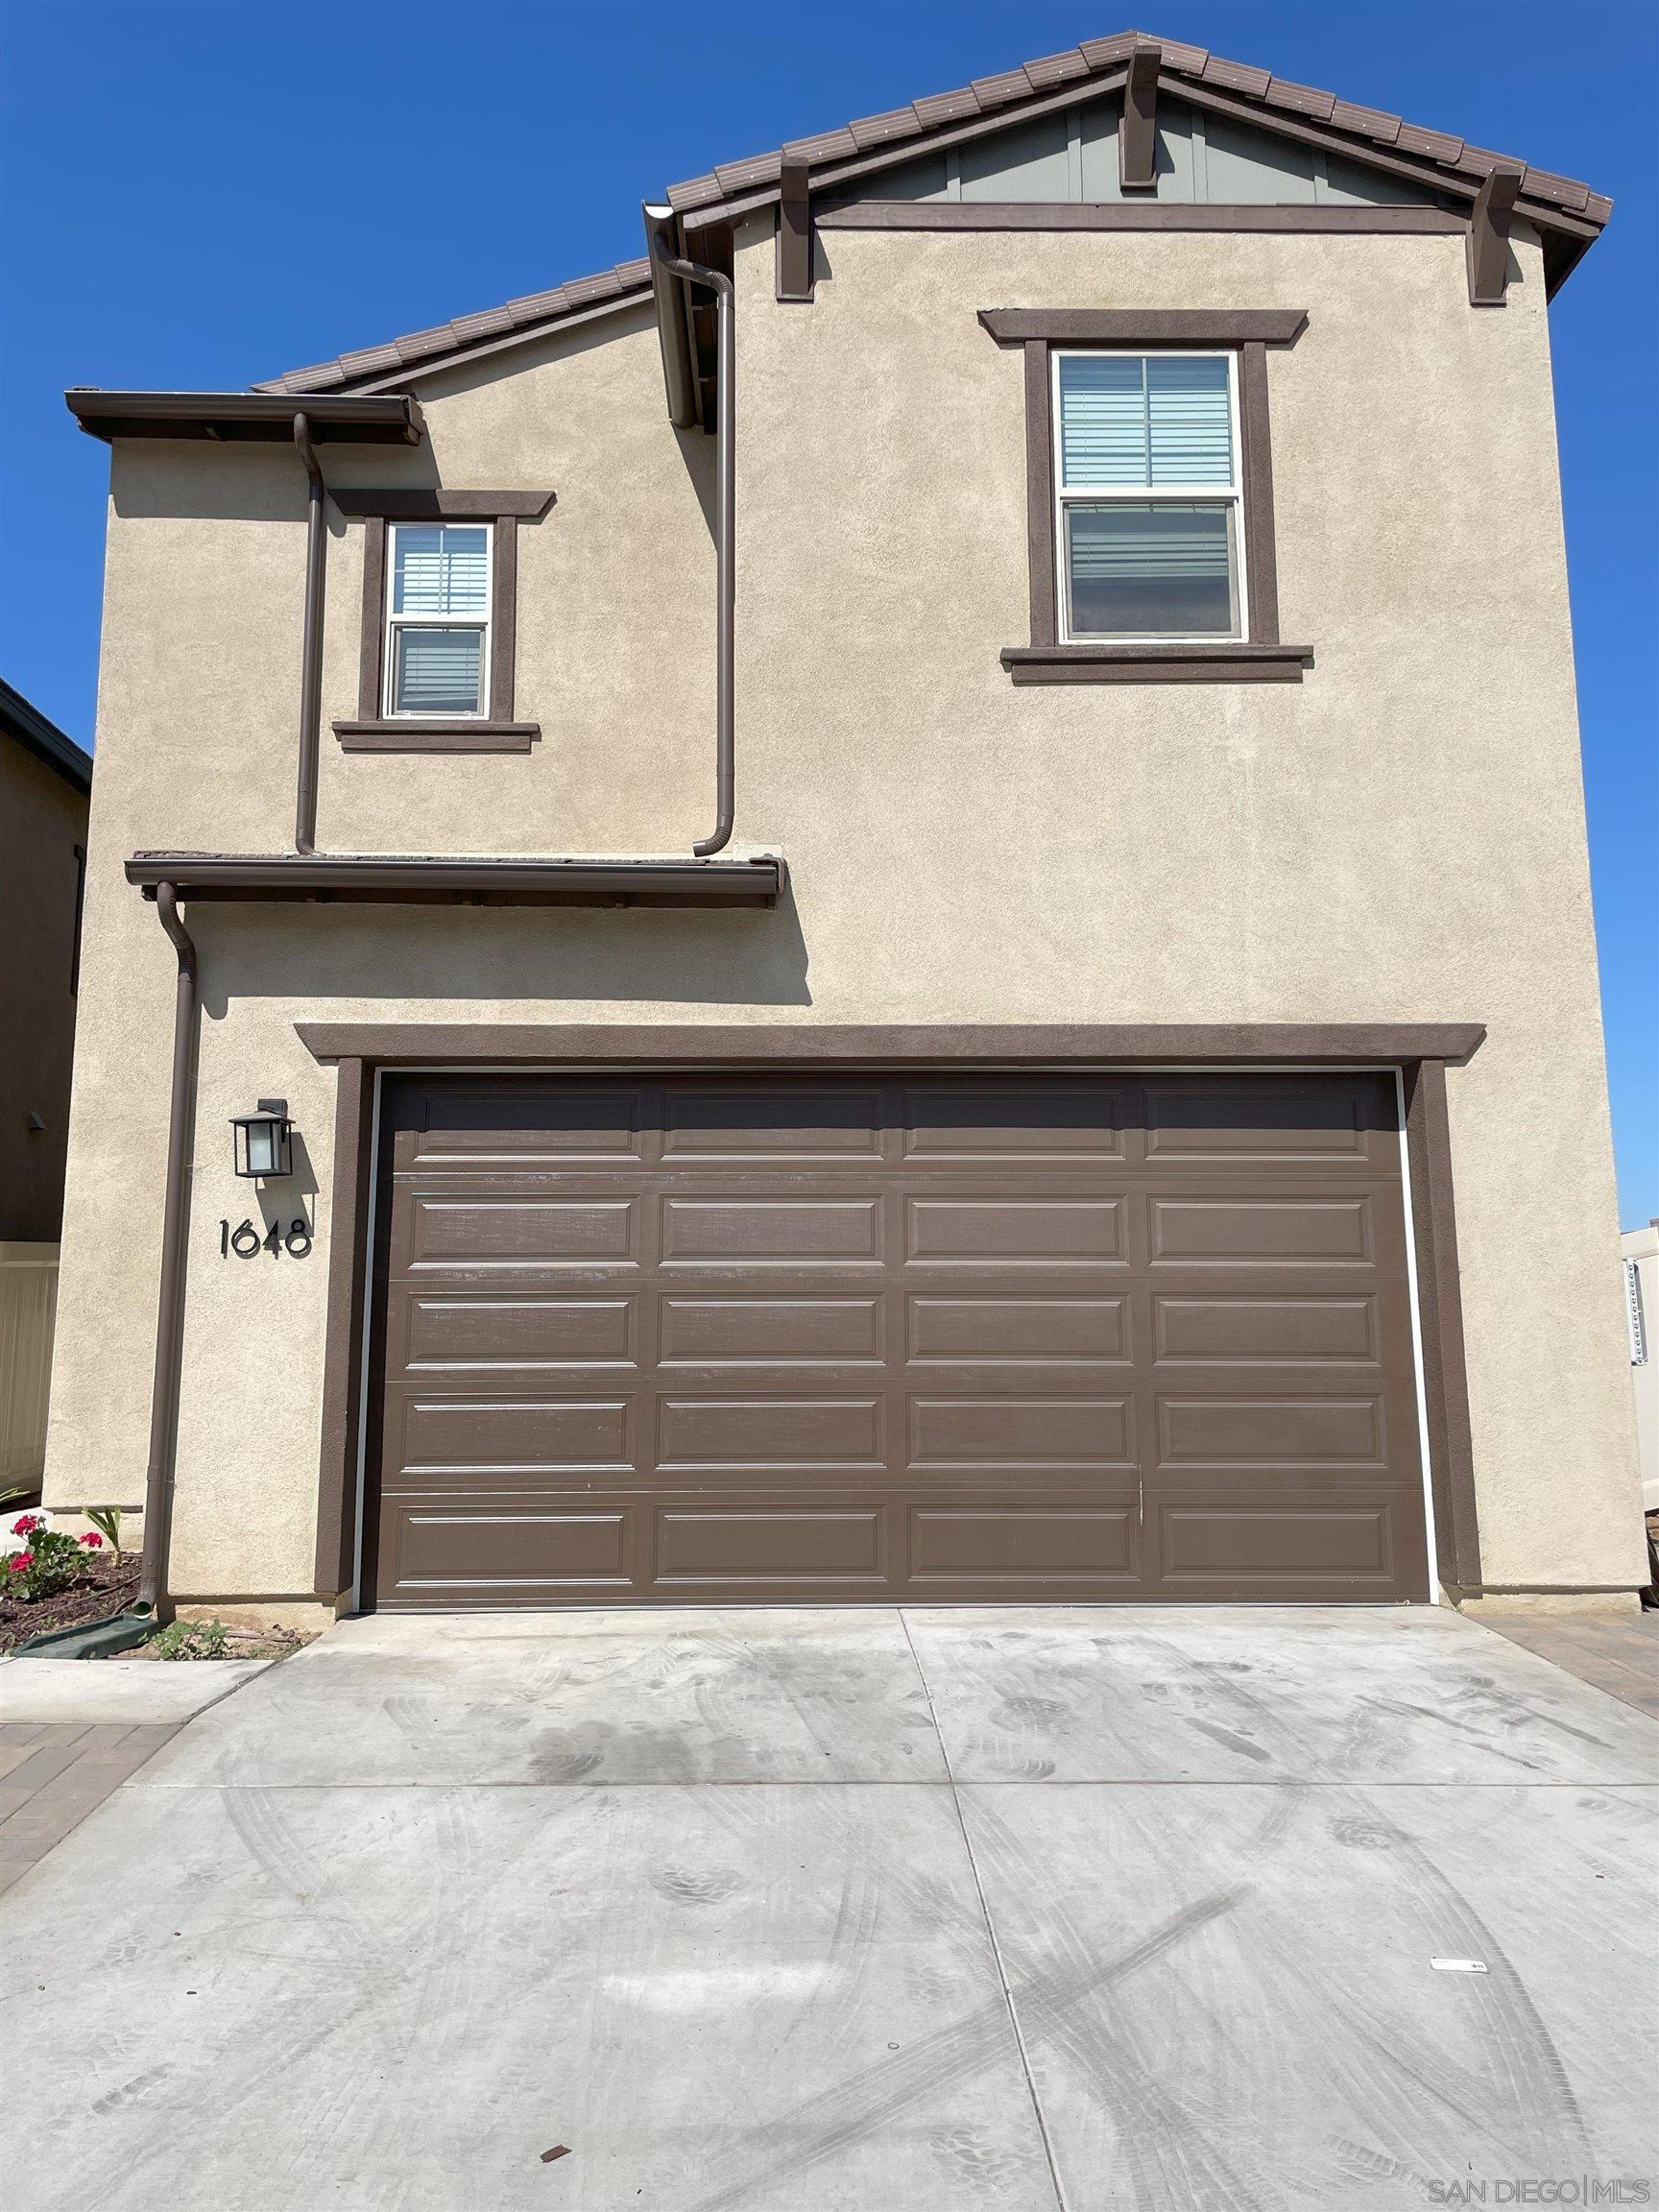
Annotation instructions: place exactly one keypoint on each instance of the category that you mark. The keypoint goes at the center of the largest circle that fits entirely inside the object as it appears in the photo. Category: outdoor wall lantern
(263, 1140)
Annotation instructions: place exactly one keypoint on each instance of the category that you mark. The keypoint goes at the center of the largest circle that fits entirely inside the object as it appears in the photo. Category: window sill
(1215, 664)
(410, 735)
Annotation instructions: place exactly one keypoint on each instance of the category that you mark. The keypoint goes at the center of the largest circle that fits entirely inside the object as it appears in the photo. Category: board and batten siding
(28, 1312)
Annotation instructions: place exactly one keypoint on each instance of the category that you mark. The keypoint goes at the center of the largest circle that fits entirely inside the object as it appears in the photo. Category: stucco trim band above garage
(1420, 1051)
(811, 1044)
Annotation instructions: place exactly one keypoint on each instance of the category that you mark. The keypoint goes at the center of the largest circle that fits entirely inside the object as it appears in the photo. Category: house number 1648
(245, 1239)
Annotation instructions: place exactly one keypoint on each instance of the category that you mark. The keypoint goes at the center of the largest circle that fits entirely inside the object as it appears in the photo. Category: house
(44, 782)
(893, 904)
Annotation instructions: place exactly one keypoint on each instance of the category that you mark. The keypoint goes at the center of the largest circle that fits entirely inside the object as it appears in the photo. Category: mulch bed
(98, 1592)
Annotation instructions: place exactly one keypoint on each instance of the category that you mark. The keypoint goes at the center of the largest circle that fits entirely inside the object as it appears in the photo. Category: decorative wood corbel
(794, 232)
(1138, 132)
(1487, 245)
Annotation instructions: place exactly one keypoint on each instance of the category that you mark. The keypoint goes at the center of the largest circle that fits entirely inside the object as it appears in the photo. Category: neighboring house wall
(1641, 1253)
(1399, 838)
(43, 779)
(42, 822)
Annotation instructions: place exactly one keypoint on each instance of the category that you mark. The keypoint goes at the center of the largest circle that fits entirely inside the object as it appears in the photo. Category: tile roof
(903, 130)
(1369, 127)
(422, 348)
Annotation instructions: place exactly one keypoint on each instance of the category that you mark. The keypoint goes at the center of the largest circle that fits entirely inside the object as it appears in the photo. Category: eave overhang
(344, 419)
(21, 719)
(415, 880)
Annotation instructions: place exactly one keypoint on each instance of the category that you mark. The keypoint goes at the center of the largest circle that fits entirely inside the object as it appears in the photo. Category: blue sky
(196, 196)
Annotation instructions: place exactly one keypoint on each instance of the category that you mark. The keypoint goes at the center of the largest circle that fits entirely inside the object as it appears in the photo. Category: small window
(1148, 495)
(438, 619)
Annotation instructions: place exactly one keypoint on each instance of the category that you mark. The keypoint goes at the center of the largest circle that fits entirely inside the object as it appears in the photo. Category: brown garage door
(945, 1338)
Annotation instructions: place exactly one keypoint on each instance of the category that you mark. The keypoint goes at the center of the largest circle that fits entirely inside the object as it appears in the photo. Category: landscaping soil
(103, 1588)
(271, 1643)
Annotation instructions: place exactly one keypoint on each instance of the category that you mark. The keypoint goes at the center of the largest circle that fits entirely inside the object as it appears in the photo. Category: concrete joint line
(985, 1916)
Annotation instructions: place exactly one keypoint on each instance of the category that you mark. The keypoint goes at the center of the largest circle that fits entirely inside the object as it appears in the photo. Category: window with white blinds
(1147, 494)
(438, 618)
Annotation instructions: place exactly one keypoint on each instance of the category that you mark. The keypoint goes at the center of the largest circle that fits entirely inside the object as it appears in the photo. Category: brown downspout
(311, 650)
(153, 1592)
(726, 535)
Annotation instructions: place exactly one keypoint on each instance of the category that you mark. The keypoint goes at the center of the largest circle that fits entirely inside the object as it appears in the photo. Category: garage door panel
(488, 1434)
(1021, 1434)
(1233, 1230)
(445, 1230)
(517, 1127)
(769, 1547)
(1270, 1432)
(1066, 1125)
(1294, 1547)
(790, 1231)
(1015, 1231)
(713, 1332)
(508, 1552)
(1199, 1120)
(1255, 1327)
(486, 1335)
(991, 1330)
(715, 1433)
(1017, 1338)
(772, 1128)
(989, 1544)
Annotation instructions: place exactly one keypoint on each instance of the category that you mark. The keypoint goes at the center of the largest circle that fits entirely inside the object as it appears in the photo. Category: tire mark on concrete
(1229, 1738)
(825, 2125)
(1172, 2160)
(1524, 2045)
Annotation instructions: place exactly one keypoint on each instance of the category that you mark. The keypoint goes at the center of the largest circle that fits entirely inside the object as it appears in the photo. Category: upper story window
(438, 619)
(1148, 496)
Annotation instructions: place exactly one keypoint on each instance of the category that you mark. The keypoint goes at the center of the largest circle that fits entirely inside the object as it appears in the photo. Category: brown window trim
(1262, 659)
(1240, 664)
(1422, 1052)
(1132, 326)
(404, 735)
(495, 731)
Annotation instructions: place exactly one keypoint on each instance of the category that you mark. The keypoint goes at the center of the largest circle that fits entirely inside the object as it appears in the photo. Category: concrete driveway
(852, 1911)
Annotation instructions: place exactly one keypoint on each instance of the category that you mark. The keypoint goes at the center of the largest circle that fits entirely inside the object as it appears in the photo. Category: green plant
(192, 1640)
(106, 1520)
(49, 1562)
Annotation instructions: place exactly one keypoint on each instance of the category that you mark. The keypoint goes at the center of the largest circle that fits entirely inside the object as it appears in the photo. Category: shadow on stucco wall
(457, 958)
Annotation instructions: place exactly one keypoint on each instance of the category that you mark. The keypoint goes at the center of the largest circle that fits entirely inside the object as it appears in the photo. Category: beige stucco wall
(1399, 838)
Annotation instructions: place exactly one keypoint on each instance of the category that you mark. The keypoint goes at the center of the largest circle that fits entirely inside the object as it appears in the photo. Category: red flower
(92, 1540)
(20, 1561)
(26, 1524)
